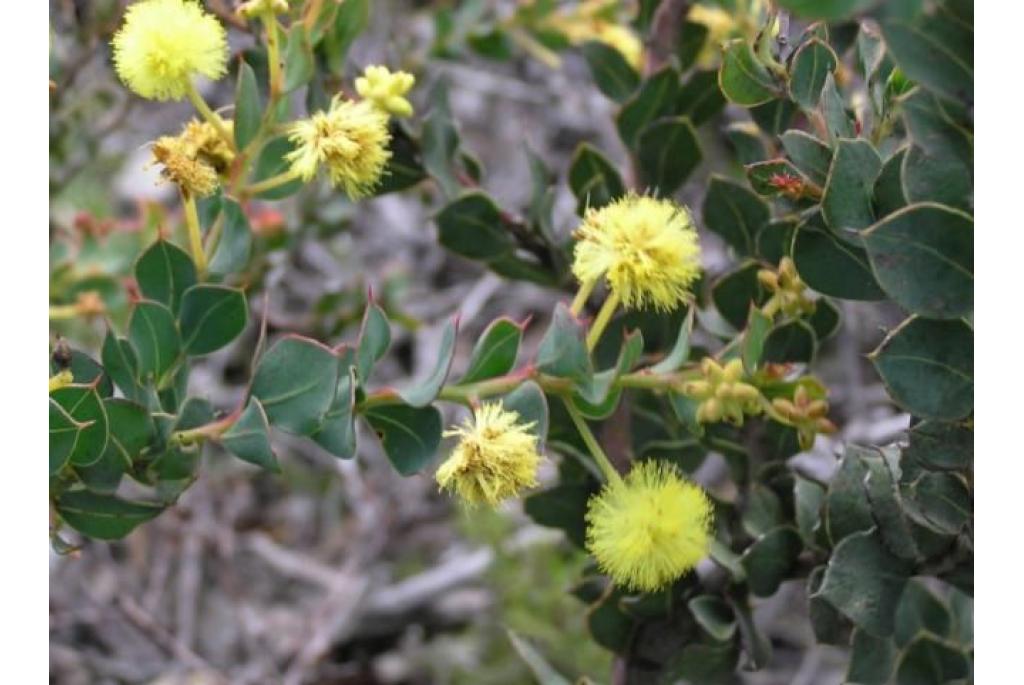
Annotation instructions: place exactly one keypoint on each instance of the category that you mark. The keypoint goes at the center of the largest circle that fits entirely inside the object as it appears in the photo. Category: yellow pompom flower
(386, 89)
(206, 144)
(647, 249)
(163, 44)
(496, 457)
(649, 529)
(351, 139)
(183, 166)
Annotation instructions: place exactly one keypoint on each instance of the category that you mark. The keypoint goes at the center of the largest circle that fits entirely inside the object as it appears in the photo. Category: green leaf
(122, 364)
(131, 432)
(770, 560)
(714, 616)
(811, 156)
(735, 213)
(350, 19)
(923, 257)
(888, 191)
(249, 438)
(937, 177)
(405, 167)
(472, 226)
(164, 272)
(742, 78)
(837, 121)
(425, 392)
(295, 381)
(746, 141)
(944, 499)
(298, 58)
(864, 581)
(248, 108)
(775, 116)
(939, 126)
(920, 610)
(103, 516)
(808, 500)
(656, 98)
(811, 63)
(529, 402)
(936, 48)
(563, 351)
(752, 347)
(680, 351)
(65, 434)
(735, 292)
(826, 9)
(211, 317)
(374, 340)
(847, 507)
(594, 180)
(792, 341)
(440, 142)
(928, 367)
(872, 659)
(564, 507)
(612, 73)
(543, 671)
(599, 397)
(847, 202)
(945, 446)
(699, 99)
(154, 335)
(887, 509)
(690, 43)
(755, 643)
(272, 162)
(699, 662)
(833, 267)
(87, 371)
(610, 626)
(668, 152)
(775, 239)
(830, 627)
(235, 246)
(409, 435)
(824, 320)
(495, 351)
(337, 433)
(928, 660)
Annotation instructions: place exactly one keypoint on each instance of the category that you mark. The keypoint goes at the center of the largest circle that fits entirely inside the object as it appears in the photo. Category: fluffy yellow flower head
(495, 459)
(184, 167)
(164, 43)
(649, 529)
(646, 248)
(208, 145)
(351, 139)
(386, 89)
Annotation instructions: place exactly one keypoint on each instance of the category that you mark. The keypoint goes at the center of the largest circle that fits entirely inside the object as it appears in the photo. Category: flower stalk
(195, 237)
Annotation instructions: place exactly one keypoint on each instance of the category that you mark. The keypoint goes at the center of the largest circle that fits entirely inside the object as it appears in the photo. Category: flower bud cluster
(807, 415)
(723, 395)
(789, 293)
